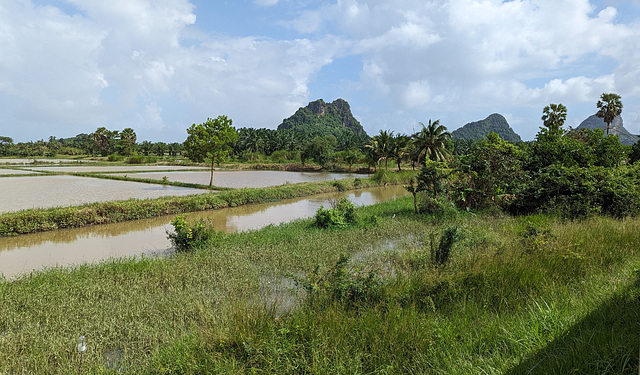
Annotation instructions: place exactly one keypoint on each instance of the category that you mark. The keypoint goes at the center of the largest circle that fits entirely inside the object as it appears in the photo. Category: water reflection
(37, 251)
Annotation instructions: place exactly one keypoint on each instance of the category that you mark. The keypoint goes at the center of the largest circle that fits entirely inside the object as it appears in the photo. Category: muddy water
(22, 254)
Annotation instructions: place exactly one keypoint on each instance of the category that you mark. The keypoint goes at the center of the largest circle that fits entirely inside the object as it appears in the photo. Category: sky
(157, 66)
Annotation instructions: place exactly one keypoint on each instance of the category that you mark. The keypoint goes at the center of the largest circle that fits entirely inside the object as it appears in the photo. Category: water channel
(23, 254)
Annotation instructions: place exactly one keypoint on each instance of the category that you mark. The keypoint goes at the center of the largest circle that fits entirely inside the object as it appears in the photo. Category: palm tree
(400, 148)
(609, 107)
(554, 116)
(382, 145)
(430, 141)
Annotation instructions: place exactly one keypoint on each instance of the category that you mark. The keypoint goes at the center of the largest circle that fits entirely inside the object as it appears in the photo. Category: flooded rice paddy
(23, 254)
(110, 169)
(245, 179)
(7, 171)
(20, 193)
(47, 191)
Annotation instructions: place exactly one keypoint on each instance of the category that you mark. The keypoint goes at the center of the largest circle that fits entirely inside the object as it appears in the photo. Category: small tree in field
(212, 140)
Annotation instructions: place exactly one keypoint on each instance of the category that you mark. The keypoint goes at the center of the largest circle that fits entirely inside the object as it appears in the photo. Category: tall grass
(517, 295)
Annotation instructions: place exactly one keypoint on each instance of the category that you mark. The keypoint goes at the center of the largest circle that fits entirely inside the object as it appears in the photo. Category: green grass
(518, 295)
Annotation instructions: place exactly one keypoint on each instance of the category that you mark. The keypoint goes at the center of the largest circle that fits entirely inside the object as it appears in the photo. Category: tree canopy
(211, 140)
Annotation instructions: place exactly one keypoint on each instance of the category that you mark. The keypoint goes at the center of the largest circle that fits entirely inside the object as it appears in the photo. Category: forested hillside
(479, 129)
(324, 118)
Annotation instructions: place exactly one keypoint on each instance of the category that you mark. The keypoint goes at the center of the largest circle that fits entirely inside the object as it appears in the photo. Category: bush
(189, 236)
(574, 192)
(341, 216)
(340, 285)
(137, 159)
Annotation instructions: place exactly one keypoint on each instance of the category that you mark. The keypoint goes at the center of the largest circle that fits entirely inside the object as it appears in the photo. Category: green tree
(319, 149)
(127, 144)
(634, 155)
(554, 116)
(400, 148)
(160, 148)
(212, 140)
(382, 144)
(430, 142)
(609, 107)
(105, 140)
(146, 147)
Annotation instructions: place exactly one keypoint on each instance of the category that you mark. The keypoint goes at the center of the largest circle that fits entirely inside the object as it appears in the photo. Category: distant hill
(617, 127)
(324, 118)
(494, 123)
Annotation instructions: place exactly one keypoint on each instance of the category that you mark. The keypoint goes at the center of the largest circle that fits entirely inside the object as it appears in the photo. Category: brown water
(23, 254)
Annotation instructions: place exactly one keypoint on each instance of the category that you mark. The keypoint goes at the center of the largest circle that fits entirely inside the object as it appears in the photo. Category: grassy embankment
(39, 220)
(517, 295)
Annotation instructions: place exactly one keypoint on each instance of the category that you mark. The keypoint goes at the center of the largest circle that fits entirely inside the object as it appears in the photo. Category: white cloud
(146, 62)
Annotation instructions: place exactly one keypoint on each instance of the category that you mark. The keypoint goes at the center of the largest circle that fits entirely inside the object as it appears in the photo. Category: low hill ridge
(617, 127)
(479, 129)
(324, 118)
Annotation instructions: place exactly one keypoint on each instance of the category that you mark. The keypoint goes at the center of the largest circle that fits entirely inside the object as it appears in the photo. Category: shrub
(189, 236)
(340, 285)
(341, 216)
(137, 159)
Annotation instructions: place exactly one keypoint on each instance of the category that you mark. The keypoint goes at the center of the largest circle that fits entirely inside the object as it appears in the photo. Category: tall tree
(104, 140)
(400, 148)
(127, 142)
(212, 139)
(609, 107)
(382, 144)
(554, 116)
(430, 141)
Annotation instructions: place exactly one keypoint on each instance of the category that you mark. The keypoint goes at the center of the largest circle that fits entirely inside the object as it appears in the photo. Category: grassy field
(515, 296)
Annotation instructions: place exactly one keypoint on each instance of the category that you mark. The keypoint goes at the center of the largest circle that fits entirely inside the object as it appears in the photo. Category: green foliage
(431, 142)
(554, 116)
(319, 149)
(634, 155)
(320, 118)
(211, 140)
(493, 170)
(338, 284)
(432, 179)
(609, 107)
(189, 236)
(341, 216)
(441, 253)
(576, 192)
(137, 159)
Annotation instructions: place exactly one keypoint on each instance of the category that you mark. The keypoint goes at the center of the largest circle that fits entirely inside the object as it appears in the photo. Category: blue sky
(71, 66)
